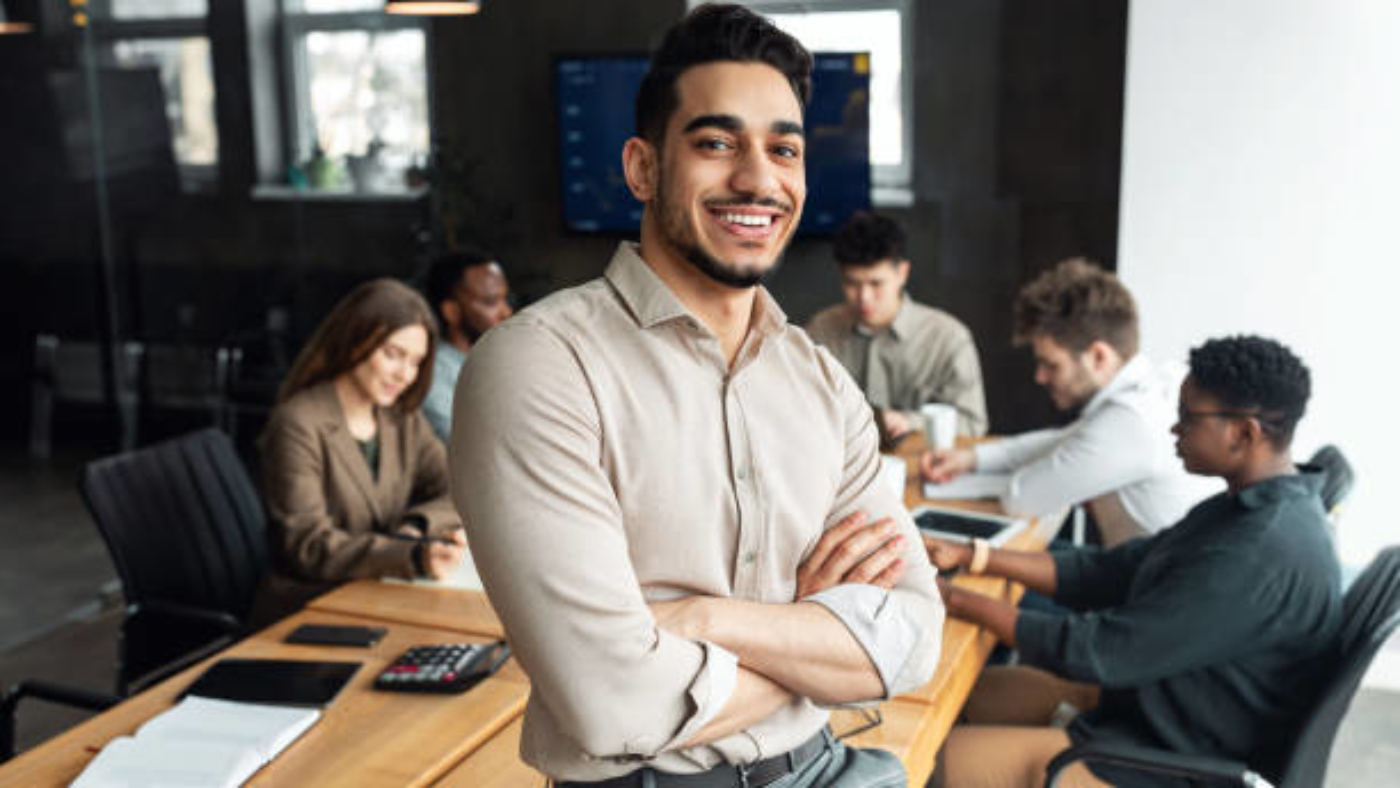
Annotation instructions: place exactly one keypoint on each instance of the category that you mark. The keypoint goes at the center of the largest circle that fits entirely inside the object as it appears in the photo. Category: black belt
(753, 775)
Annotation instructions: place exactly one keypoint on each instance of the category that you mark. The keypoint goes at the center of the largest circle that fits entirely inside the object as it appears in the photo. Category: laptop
(958, 525)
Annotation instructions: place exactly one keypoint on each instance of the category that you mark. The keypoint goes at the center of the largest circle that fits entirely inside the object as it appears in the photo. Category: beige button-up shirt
(926, 355)
(605, 455)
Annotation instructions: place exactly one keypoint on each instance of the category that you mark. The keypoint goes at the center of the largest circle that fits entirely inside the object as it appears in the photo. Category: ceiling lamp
(433, 7)
(11, 22)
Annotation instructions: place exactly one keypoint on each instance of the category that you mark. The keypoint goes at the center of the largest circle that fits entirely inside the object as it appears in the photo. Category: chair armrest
(224, 622)
(1149, 759)
(43, 690)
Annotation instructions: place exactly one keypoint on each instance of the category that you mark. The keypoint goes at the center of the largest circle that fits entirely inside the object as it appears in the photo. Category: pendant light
(433, 7)
(12, 21)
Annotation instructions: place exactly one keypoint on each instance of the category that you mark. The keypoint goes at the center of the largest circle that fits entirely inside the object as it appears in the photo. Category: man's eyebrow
(733, 123)
(723, 122)
(787, 127)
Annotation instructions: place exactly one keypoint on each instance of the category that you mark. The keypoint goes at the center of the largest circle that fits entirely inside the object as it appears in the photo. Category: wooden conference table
(394, 739)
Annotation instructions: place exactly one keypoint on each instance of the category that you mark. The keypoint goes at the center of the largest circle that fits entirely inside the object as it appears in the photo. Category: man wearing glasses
(1082, 324)
(1211, 638)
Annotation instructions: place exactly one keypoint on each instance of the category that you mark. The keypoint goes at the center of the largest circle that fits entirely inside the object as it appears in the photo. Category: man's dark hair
(445, 273)
(868, 238)
(1077, 303)
(1255, 374)
(714, 33)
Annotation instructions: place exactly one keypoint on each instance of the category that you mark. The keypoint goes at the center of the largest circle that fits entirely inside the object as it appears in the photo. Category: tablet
(957, 525)
(280, 681)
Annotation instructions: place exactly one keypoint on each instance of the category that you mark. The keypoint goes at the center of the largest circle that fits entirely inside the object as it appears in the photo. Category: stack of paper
(969, 486)
(199, 742)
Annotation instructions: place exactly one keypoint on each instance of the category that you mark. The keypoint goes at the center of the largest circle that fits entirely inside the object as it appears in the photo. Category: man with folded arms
(1210, 638)
(1082, 324)
(902, 353)
(673, 496)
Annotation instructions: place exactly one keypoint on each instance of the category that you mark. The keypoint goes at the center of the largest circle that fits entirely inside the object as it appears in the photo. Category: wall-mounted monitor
(594, 102)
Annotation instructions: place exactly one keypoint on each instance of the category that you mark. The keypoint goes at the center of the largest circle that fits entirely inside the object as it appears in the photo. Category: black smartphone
(335, 635)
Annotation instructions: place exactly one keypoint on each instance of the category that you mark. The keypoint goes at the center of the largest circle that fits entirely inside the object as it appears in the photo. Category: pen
(412, 538)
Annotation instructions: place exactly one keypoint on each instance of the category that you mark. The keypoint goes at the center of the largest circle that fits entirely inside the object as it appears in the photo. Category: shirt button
(750, 557)
(742, 473)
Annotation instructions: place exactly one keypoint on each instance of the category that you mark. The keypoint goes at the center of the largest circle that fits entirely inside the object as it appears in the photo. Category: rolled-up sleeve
(901, 630)
(546, 531)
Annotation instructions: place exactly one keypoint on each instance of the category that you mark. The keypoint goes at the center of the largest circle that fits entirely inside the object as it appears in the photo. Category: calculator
(450, 668)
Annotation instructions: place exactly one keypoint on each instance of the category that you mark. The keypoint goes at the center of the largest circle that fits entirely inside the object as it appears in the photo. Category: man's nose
(754, 174)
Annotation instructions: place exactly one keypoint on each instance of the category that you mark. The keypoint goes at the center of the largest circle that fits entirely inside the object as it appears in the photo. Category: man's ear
(639, 168)
(1101, 355)
(1250, 433)
(451, 313)
(901, 272)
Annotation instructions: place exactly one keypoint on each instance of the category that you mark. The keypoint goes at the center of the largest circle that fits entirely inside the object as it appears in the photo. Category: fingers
(856, 546)
(929, 466)
(943, 554)
(892, 575)
(441, 558)
(877, 564)
(827, 543)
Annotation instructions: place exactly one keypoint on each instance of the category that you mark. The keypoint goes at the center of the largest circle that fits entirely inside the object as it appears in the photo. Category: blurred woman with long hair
(355, 480)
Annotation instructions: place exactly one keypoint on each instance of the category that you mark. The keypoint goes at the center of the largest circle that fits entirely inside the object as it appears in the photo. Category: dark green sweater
(1211, 637)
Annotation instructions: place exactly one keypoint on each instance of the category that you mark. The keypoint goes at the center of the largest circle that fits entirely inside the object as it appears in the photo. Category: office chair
(185, 528)
(1371, 613)
(1338, 478)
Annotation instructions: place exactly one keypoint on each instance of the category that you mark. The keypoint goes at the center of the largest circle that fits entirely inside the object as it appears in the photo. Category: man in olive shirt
(650, 464)
(902, 353)
(1210, 638)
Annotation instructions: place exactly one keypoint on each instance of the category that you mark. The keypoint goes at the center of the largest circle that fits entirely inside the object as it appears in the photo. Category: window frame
(890, 184)
(294, 80)
(107, 30)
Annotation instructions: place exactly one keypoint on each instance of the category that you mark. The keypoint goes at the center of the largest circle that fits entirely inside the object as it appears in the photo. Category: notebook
(199, 742)
(235, 718)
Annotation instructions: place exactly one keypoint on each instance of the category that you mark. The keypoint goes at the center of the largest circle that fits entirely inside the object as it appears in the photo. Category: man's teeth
(749, 220)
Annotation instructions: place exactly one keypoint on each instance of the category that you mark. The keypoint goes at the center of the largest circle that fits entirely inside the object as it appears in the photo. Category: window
(356, 94)
(171, 37)
(882, 28)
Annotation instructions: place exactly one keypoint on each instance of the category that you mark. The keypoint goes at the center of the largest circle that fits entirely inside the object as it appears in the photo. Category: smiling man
(659, 470)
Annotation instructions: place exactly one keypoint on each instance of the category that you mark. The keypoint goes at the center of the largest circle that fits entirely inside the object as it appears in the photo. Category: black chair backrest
(182, 521)
(1371, 613)
(1337, 475)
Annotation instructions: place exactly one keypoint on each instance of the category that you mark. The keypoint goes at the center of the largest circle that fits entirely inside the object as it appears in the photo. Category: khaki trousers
(1006, 740)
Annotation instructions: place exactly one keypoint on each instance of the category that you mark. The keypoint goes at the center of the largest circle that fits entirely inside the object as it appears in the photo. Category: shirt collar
(902, 326)
(1137, 370)
(653, 303)
(1307, 481)
(449, 353)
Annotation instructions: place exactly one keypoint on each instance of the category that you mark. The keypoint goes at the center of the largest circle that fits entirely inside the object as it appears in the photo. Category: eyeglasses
(1193, 415)
(870, 718)
(1267, 423)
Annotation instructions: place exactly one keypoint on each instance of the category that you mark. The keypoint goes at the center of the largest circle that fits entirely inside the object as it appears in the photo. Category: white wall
(1261, 194)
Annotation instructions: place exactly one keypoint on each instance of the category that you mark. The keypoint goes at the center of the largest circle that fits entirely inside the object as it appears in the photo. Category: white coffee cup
(940, 425)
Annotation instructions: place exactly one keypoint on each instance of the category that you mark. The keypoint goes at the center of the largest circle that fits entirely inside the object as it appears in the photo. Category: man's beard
(682, 239)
